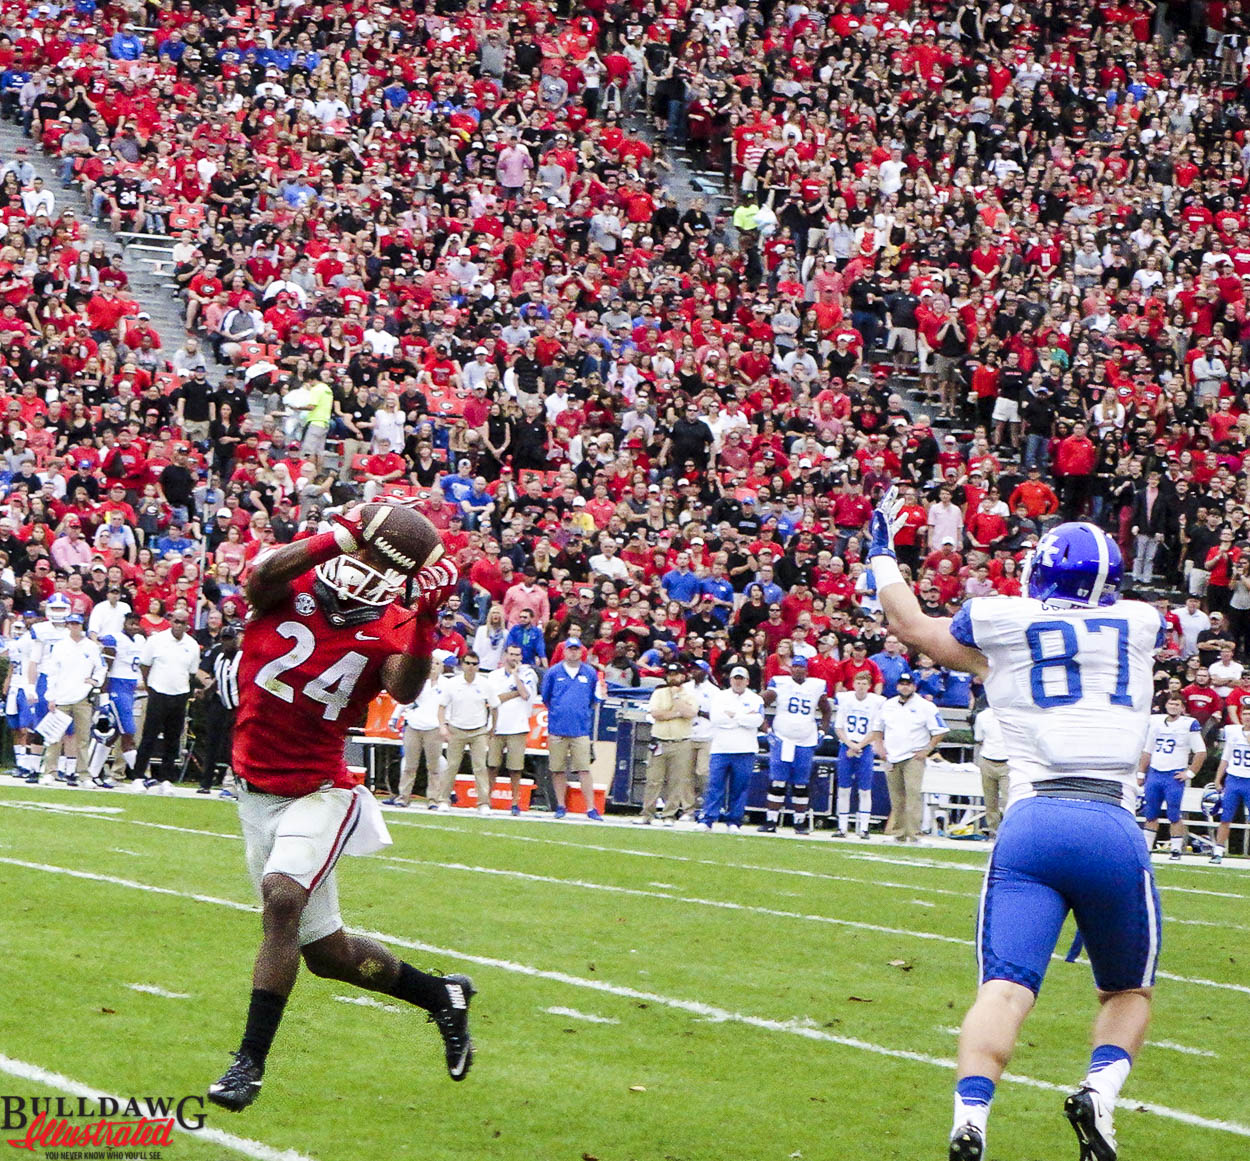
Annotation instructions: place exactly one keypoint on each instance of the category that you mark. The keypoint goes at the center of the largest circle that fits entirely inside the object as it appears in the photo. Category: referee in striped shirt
(220, 681)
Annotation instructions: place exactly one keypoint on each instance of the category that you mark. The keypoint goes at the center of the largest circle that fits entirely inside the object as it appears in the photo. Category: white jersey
(1236, 752)
(45, 634)
(798, 708)
(17, 650)
(1171, 743)
(125, 665)
(1071, 688)
(855, 718)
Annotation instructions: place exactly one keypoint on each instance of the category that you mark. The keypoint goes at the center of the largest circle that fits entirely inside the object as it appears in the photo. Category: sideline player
(327, 633)
(1232, 780)
(801, 702)
(44, 634)
(1173, 754)
(857, 716)
(1068, 671)
(19, 697)
(121, 653)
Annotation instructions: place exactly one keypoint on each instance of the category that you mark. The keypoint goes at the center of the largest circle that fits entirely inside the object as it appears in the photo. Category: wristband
(323, 546)
(885, 570)
(344, 538)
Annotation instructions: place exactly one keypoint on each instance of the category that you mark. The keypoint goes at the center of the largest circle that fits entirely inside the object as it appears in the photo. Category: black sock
(264, 1014)
(418, 988)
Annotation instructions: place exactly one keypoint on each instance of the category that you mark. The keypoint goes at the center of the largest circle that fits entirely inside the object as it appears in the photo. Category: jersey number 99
(1041, 638)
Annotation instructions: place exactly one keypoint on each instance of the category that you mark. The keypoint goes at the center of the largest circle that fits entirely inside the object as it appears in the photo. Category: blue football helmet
(1075, 564)
(1212, 803)
(58, 608)
(104, 725)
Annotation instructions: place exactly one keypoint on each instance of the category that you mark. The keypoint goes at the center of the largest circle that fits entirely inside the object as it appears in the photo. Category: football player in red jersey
(328, 631)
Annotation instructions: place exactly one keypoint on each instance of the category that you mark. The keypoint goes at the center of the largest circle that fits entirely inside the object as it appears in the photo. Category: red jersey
(303, 683)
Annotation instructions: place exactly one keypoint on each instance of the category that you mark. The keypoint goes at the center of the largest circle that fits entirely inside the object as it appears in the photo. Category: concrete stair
(146, 286)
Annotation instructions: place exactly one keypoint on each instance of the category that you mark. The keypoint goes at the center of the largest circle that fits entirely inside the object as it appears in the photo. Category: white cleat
(1091, 1119)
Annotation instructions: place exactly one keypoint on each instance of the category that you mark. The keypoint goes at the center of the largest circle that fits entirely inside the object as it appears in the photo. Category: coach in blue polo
(570, 690)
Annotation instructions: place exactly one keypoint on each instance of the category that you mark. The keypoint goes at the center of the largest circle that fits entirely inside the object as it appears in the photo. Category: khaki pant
(905, 780)
(80, 711)
(475, 742)
(416, 743)
(507, 751)
(670, 773)
(994, 787)
(701, 758)
(563, 751)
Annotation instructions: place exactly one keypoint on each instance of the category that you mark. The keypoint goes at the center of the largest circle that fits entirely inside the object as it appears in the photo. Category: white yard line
(801, 1027)
(727, 905)
(32, 1073)
(574, 1014)
(693, 900)
(63, 807)
(1183, 1049)
(153, 990)
(109, 814)
(719, 904)
(369, 1002)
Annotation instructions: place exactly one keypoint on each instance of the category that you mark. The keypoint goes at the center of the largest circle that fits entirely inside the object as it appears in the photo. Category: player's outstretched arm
(931, 635)
(270, 578)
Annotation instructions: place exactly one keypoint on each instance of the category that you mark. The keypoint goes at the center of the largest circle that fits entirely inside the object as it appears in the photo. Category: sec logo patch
(305, 605)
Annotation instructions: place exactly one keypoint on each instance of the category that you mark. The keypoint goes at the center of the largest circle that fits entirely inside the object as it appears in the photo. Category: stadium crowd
(997, 254)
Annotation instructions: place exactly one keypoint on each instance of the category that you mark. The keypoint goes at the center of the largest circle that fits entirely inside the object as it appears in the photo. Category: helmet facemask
(349, 578)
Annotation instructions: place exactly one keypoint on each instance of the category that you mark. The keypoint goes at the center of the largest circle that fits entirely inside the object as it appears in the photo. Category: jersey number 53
(331, 688)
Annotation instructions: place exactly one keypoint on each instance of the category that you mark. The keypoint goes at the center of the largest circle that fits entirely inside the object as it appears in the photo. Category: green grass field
(720, 997)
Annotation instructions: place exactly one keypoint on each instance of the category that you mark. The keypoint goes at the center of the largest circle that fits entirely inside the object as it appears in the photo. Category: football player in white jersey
(856, 718)
(801, 703)
(1232, 780)
(45, 634)
(1068, 672)
(1173, 755)
(19, 696)
(121, 654)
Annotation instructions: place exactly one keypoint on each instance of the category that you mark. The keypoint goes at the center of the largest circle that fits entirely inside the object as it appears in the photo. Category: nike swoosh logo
(365, 636)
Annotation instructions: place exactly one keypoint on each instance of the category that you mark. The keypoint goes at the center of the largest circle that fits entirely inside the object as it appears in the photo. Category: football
(399, 537)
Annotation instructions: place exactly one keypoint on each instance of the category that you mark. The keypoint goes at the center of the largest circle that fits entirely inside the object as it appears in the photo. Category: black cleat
(453, 1023)
(1091, 1119)
(768, 828)
(239, 1085)
(967, 1144)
